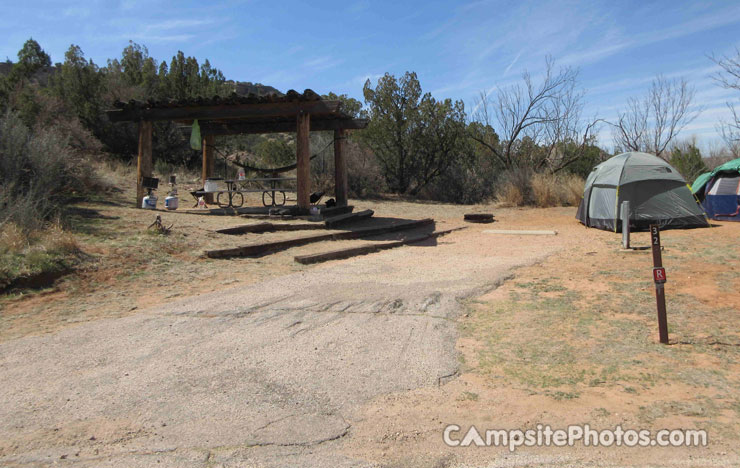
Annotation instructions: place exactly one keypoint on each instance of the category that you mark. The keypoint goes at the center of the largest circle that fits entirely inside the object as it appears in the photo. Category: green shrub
(364, 175)
(39, 174)
(687, 160)
(466, 181)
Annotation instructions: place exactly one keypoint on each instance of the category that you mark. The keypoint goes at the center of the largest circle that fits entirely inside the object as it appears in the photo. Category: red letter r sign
(659, 274)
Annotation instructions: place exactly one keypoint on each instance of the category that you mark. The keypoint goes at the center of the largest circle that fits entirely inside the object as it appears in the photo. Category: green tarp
(700, 182)
(195, 140)
(729, 166)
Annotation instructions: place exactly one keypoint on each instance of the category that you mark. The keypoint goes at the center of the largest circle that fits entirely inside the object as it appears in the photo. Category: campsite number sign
(659, 278)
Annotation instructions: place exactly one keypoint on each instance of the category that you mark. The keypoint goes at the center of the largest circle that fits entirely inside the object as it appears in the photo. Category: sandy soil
(405, 429)
(359, 362)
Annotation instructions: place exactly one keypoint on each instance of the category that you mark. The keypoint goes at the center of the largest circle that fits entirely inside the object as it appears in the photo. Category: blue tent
(719, 191)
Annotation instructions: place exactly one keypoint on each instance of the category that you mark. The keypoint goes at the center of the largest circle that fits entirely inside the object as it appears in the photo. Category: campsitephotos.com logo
(545, 436)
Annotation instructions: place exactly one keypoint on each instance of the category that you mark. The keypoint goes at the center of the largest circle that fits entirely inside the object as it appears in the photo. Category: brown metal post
(208, 163)
(340, 167)
(144, 159)
(659, 283)
(303, 159)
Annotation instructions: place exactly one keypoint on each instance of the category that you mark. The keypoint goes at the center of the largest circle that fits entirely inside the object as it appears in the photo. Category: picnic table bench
(233, 197)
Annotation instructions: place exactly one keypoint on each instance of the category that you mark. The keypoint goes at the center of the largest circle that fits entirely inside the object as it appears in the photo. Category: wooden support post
(303, 157)
(208, 162)
(144, 159)
(340, 167)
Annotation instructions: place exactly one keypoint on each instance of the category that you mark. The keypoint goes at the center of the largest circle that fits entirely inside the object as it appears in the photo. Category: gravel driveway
(271, 374)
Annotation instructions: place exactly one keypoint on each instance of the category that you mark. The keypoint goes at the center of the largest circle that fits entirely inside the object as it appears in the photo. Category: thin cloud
(128, 5)
(696, 25)
(358, 7)
(76, 12)
(491, 48)
(361, 79)
(171, 24)
(489, 92)
(595, 54)
(475, 4)
(171, 30)
(294, 50)
(696, 76)
(161, 38)
(516, 59)
(321, 63)
(438, 31)
(708, 120)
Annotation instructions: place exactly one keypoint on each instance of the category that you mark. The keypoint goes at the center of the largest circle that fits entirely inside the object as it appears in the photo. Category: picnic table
(233, 196)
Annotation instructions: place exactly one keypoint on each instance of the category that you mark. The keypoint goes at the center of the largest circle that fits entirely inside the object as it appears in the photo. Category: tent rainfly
(719, 191)
(657, 193)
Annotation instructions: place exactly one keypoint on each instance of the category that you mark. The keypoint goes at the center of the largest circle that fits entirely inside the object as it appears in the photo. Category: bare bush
(514, 187)
(651, 122)
(535, 124)
(718, 155)
(729, 78)
(53, 113)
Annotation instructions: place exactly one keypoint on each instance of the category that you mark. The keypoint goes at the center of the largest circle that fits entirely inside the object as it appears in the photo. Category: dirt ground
(155, 354)
(573, 340)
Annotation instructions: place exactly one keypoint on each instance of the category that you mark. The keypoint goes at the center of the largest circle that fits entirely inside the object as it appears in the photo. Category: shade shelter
(657, 193)
(291, 112)
(719, 191)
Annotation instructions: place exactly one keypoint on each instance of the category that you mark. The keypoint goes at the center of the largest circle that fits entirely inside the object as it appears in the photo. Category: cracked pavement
(269, 374)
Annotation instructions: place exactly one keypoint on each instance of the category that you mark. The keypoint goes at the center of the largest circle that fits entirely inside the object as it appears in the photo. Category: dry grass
(116, 172)
(12, 239)
(510, 195)
(594, 339)
(56, 239)
(545, 190)
(25, 254)
(572, 186)
(15, 240)
(522, 187)
(514, 187)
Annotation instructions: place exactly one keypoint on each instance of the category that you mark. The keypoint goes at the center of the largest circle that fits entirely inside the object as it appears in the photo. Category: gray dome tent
(657, 193)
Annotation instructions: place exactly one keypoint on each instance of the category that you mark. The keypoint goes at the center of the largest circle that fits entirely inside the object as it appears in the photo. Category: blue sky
(457, 48)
